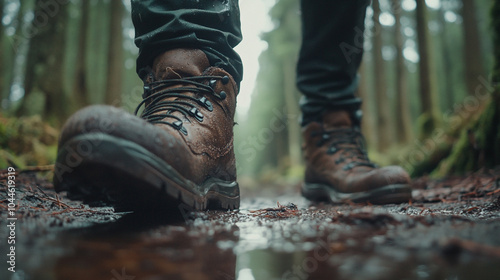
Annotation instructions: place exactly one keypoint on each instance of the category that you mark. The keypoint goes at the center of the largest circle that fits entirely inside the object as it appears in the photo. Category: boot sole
(102, 169)
(390, 194)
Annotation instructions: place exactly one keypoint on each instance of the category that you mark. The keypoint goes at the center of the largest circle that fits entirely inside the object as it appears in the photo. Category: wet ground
(450, 230)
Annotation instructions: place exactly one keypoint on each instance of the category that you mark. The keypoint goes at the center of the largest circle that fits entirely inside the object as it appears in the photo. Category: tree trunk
(115, 54)
(495, 15)
(494, 156)
(428, 82)
(80, 87)
(20, 44)
(449, 89)
(45, 71)
(292, 109)
(367, 123)
(2, 59)
(478, 145)
(384, 132)
(472, 46)
(45, 61)
(403, 118)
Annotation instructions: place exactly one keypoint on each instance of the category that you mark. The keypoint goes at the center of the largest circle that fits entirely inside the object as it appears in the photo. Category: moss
(8, 159)
(26, 141)
(459, 159)
(425, 125)
(432, 161)
(495, 16)
(477, 145)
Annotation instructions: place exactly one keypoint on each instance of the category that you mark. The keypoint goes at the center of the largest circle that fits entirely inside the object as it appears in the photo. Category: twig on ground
(282, 211)
(38, 168)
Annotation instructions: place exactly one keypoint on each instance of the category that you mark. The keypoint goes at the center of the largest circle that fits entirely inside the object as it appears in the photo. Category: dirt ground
(450, 230)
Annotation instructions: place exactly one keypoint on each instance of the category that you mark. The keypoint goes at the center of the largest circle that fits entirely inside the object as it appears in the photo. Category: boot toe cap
(392, 175)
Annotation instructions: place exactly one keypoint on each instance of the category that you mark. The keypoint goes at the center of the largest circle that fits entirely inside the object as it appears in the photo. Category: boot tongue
(180, 63)
(336, 119)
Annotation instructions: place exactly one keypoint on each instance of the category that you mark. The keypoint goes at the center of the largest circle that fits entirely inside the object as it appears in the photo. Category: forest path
(451, 230)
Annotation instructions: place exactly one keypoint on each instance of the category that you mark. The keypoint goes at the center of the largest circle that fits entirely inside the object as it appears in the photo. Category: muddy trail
(450, 230)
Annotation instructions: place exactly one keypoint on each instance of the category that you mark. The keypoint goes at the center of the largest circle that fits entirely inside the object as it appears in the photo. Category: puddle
(422, 240)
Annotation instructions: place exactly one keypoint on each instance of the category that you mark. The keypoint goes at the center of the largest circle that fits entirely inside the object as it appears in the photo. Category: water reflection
(240, 245)
(160, 252)
(215, 245)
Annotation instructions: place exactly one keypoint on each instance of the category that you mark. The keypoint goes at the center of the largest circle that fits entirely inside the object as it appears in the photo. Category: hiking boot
(179, 151)
(338, 169)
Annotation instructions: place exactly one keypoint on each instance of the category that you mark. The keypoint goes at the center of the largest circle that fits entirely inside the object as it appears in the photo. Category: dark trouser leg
(212, 26)
(330, 56)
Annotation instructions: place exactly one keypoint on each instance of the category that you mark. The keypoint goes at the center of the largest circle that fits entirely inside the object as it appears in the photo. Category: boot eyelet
(332, 150)
(348, 166)
(199, 116)
(212, 83)
(183, 130)
(324, 138)
(206, 103)
(147, 91)
(209, 106)
(195, 113)
(225, 80)
(178, 125)
(222, 95)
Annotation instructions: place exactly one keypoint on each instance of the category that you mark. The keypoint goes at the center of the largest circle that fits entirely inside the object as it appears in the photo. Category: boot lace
(157, 109)
(350, 143)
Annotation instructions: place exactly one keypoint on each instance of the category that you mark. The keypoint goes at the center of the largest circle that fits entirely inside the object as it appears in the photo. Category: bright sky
(254, 21)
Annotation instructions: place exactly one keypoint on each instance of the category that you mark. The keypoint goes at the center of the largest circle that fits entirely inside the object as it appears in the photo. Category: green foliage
(425, 125)
(26, 141)
(475, 139)
(477, 146)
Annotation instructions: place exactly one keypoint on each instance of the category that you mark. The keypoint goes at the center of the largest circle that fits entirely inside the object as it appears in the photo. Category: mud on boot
(178, 151)
(338, 169)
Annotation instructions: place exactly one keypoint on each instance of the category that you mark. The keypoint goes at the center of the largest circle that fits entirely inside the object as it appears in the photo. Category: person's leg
(332, 48)
(337, 167)
(212, 26)
(178, 154)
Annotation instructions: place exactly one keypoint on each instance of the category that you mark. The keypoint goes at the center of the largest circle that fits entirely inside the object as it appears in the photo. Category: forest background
(428, 81)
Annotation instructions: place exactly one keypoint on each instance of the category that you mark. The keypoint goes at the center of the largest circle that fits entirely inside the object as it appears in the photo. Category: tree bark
(478, 145)
(292, 109)
(495, 15)
(19, 51)
(428, 82)
(2, 60)
(384, 132)
(115, 55)
(447, 61)
(494, 156)
(403, 118)
(368, 121)
(80, 87)
(45, 64)
(472, 46)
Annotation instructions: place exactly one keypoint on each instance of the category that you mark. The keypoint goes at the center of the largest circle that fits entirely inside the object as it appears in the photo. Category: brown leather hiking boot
(338, 169)
(178, 152)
